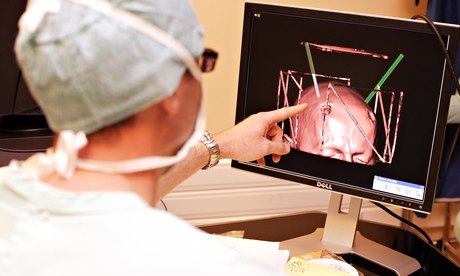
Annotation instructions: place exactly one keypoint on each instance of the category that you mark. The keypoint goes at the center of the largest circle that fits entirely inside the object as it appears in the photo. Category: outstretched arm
(252, 139)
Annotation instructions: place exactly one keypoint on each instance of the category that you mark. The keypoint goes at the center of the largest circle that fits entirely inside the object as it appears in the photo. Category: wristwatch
(213, 147)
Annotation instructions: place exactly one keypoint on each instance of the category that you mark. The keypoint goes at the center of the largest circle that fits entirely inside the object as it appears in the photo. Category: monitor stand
(339, 235)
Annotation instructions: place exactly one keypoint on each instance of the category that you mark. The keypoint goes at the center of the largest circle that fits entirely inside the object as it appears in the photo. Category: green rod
(384, 78)
(312, 68)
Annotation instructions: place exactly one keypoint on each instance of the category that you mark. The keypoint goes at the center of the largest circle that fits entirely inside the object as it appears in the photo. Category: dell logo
(324, 185)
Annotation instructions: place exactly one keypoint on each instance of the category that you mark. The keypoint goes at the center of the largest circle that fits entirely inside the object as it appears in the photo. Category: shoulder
(164, 244)
(12, 174)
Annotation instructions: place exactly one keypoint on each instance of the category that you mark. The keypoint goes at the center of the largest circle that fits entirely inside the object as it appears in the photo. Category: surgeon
(120, 84)
(338, 124)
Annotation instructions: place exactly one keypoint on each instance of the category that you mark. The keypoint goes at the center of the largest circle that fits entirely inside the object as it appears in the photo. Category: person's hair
(113, 131)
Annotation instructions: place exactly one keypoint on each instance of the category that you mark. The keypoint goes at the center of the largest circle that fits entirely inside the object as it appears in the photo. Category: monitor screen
(377, 90)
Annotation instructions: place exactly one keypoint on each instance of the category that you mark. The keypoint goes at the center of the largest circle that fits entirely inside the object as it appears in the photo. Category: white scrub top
(48, 231)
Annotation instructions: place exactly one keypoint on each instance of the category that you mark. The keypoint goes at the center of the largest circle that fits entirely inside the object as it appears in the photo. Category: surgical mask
(63, 159)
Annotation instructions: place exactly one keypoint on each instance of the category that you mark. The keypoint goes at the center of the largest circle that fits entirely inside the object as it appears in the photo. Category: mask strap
(62, 159)
(145, 27)
(149, 162)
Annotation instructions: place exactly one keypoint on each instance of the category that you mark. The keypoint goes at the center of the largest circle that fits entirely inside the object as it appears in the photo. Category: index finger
(281, 114)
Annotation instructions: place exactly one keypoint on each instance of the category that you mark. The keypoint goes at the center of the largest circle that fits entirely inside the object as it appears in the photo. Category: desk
(292, 226)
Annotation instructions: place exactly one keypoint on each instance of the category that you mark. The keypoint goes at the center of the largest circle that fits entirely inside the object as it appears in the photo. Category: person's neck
(141, 136)
(142, 184)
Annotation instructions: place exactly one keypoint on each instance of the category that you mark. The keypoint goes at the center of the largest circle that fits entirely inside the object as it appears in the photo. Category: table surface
(287, 227)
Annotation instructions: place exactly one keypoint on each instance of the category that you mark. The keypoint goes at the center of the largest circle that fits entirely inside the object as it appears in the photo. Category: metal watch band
(213, 148)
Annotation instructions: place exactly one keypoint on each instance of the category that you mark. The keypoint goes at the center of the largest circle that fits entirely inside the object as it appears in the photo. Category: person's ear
(171, 104)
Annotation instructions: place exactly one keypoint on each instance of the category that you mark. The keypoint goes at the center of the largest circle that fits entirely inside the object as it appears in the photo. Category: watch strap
(213, 148)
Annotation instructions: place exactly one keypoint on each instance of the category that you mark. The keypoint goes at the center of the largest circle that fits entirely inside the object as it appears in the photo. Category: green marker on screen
(312, 68)
(384, 78)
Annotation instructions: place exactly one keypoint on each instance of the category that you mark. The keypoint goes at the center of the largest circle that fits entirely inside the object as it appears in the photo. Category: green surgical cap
(88, 71)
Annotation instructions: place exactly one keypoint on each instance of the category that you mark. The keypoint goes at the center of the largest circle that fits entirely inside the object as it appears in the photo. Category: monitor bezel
(452, 31)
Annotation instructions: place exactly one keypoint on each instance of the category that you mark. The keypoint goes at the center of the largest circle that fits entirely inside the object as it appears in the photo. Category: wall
(225, 194)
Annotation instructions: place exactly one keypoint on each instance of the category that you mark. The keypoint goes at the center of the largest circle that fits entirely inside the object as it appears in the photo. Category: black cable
(457, 85)
(164, 205)
(443, 47)
(410, 223)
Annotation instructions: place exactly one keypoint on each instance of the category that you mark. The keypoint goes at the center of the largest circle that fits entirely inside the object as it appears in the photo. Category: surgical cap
(88, 71)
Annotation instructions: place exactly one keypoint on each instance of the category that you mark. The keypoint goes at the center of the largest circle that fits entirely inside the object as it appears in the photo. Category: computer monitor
(23, 127)
(15, 96)
(377, 90)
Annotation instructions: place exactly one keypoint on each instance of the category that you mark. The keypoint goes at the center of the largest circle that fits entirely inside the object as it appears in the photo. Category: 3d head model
(337, 124)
